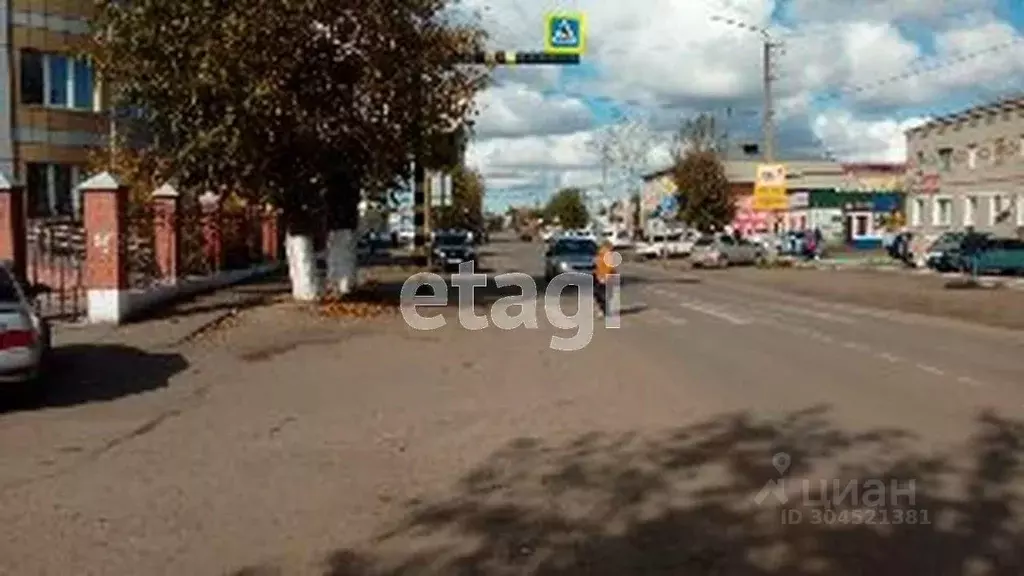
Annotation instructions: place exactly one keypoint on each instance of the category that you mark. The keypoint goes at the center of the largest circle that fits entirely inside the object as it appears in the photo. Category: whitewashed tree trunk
(302, 267)
(342, 263)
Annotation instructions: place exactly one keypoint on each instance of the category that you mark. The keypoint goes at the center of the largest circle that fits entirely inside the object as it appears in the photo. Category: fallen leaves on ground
(365, 302)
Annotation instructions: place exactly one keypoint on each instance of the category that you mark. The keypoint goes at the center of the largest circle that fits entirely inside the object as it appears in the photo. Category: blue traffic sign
(668, 205)
(565, 33)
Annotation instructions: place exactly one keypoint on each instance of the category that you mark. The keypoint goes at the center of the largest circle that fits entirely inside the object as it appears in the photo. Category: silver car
(24, 333)
(570, 255)
(722, 251)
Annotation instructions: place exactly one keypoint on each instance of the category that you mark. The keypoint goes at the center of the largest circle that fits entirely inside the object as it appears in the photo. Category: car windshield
(574, 247)
(705, 241)
(452, 240)
(8, 290)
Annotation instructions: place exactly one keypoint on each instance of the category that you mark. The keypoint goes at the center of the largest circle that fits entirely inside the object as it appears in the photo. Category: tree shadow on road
(85, 373)
(684, 503)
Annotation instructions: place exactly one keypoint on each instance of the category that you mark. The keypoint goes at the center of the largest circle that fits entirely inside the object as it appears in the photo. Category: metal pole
(769, 106)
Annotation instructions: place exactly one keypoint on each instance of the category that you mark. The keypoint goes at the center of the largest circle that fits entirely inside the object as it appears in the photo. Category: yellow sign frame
(770, 191)
(549, 24)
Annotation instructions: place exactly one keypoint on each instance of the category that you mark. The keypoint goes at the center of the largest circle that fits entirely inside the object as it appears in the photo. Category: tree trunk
(342, 237)
(342, 263)
(301, 254)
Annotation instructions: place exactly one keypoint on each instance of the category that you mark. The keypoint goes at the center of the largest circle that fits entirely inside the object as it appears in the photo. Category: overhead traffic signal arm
(510, 58)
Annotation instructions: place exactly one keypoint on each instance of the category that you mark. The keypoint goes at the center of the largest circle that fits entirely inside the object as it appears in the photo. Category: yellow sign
(770, 188)
(565, 33)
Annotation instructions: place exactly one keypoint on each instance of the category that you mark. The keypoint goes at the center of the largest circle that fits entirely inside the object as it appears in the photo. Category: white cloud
(668, 58)
(512, 110)
(850, 138)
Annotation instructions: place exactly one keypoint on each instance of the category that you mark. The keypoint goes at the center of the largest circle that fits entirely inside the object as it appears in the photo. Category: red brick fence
(123, 258)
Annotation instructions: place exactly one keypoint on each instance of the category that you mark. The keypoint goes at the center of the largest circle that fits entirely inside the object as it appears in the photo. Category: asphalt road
(744, 347)
(289, 444)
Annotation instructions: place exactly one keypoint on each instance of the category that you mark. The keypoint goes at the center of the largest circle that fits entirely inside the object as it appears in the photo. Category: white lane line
(675, 320)
(889, 357)
(855, 346)
(969, 381)
(813, 313)
(697, 307)
(931, 369)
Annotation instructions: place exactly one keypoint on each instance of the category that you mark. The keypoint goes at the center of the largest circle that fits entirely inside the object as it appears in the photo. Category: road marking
(715, 312)
(931, 369)
(675, 320)
(969, 381)
(889, 357)
(813, 313)
(855, 346)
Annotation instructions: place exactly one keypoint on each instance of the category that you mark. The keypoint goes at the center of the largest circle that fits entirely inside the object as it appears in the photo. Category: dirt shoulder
(919, 294)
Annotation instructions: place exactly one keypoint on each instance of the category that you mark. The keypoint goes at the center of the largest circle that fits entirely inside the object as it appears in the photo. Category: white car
(620, 238)
(671, 246)
(24, 333)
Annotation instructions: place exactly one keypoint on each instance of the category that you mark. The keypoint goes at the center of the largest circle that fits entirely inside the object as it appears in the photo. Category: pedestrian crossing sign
(565, 33)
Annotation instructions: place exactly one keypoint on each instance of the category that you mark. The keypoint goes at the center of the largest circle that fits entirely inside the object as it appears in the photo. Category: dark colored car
(452, 248)
(569, 255)
(953, 251)
(995, 256)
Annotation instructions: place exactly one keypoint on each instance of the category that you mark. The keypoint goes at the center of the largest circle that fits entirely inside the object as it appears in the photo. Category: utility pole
(768, 47)
(768, 78)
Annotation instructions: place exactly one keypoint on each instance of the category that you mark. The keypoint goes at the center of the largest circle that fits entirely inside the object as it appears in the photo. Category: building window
(51, 190)
(943, 214)
(33, 87)
(999, 209)
(946, 159)
(972, 156)
(970, 210)
(57, 80)
(917, 210)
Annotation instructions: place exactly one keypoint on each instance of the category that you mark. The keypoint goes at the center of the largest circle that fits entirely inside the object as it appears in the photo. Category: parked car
(722, 251)
(996, 256)
(452, 248)
(24, 334)
(951, 252)
(620, 238)
(570, 255)
(676, 245)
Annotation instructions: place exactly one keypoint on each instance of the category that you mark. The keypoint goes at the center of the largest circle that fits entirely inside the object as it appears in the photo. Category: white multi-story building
(967, 170)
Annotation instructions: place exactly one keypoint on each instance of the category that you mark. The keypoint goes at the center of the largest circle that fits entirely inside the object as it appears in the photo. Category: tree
(568, 207)
(700, 134)
(467, 207)
(624, 150)
(705, 199)
(304, 104)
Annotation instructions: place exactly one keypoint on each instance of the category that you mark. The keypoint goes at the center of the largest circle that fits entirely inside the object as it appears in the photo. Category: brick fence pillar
(104, 211)
(13, 228)
(212, 206)
(167, 231)
(271, 239)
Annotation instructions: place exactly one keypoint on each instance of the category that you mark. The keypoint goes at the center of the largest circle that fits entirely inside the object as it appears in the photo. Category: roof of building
(996, 107)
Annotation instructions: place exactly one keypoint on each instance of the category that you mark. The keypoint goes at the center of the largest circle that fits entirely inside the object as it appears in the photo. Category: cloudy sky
(851, 76)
